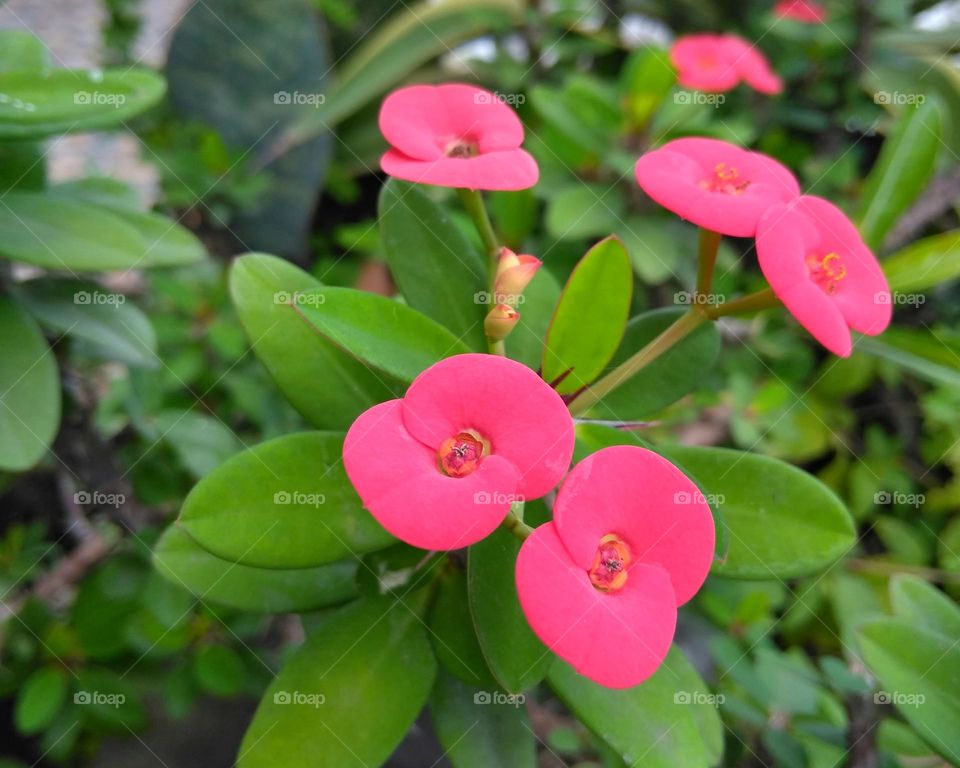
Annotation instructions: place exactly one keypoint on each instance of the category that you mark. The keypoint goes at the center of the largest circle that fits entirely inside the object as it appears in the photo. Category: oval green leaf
(590, 318)
(924, 264)
(39, 699)
(923, 605)
(185, 563)
(382, 333)
(348, 695)
(286, 503)
(437, 269)
(453, 634)
(29, 390)
(329, 387)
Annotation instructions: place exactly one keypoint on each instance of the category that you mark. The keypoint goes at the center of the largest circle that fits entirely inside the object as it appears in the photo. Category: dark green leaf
(453, 634)
(348, 695)
(219, 670)
(286, 503)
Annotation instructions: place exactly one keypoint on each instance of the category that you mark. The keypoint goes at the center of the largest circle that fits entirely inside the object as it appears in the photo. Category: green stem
(752, 302)
(513, 522)
(681, 328)
(473, 203)
(884, 568)
(707, 260)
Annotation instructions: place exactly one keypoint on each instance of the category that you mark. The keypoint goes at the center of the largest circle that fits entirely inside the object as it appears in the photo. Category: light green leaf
(29, 390)
(481, 728)
(348, 695)
(645, 81)
(40, 103)
(380, 332)
(590, 319)
(113, 328)
(437, 269)
(924, 264)
(329, 387)
(789, 524)
(39, 700)
(21, 50)
(584, 210)
(924, 606)
(664, 722)
(287, 503)
(919, 673)
(185, 563)
(905, 164)
(514, 654)
(918, 364)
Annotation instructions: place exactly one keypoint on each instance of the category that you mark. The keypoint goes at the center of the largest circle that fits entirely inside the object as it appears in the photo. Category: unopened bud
(500, 321)
(514, 273)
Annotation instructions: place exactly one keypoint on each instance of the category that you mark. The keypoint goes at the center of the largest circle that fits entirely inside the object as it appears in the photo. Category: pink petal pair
(632, 539)
(819, 267)
(440, 467)
(714, 184)
(718, 63)
(455, 135)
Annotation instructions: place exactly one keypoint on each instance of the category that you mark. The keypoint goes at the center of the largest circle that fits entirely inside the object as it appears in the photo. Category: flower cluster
(811, 254)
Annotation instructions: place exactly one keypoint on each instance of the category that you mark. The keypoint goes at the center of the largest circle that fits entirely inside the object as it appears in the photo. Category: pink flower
(806, 11)
(717, 63)
(514, 273)
(819, 267)
(714, 184)
(632, 539)
(440, 467)
(454, 135)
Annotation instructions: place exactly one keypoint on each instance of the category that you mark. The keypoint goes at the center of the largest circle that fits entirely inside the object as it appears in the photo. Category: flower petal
(504, 170)
(649, 503)
(398, 480)
(525, 421)
(616, 639)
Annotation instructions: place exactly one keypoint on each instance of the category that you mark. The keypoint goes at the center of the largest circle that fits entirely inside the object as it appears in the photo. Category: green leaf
(919, 672)
(584, 210)
(922, 366)
(679, 370)
(40, 103)
(68, 235)
(287, 503)
(200, 439)
(378, 331)
(537, 306)
(669, 720)
(905, 164)
(329, 387)
(393, 50)
(590, 319)
(219, 670)
(165, 242)
(645, 81)
(113, 328)
(514, 654)
(437, 269)
(923, 605)
(185, 563)
(39, 700)
(453, 634)
(29, 390)
(22, 166)
(924, 264)
(348, 695)
(481, 728)
(782, 521)
(108, 701)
